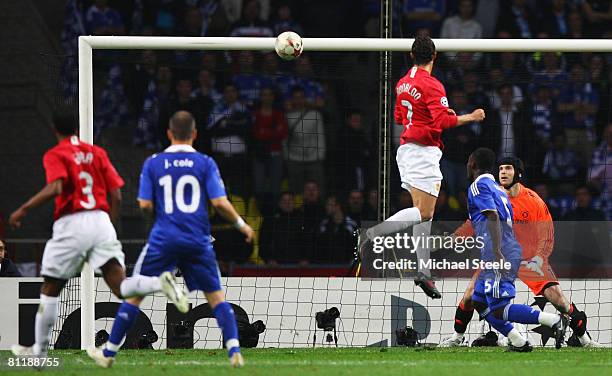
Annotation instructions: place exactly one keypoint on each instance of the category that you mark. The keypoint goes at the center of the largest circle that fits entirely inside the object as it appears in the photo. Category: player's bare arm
(477, 115)
(228, 212)
(115, 204)
(45, 195)
(494, 226)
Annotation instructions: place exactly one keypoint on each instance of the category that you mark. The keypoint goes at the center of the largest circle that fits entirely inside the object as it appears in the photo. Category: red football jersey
(421, 108)
(87, 176)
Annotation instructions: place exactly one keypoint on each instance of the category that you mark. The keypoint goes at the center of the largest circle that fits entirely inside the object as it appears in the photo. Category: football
(288, 45)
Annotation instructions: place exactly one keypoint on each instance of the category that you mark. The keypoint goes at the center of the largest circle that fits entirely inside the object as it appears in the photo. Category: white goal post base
(87, 44)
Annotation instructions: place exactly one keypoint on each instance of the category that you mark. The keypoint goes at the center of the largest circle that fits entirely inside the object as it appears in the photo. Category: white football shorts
(82, 236)
(419, 167)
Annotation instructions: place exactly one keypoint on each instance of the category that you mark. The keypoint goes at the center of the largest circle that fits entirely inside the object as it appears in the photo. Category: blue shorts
(496, 289)
(198, 265)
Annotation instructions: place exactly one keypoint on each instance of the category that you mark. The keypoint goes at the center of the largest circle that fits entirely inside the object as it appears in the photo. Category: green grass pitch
(341, 361)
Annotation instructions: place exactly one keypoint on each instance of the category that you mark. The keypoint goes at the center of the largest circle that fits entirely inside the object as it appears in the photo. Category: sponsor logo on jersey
(444, 101)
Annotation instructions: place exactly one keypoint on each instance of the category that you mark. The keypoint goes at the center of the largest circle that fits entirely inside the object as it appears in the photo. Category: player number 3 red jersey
(422, 108)
(87, 176)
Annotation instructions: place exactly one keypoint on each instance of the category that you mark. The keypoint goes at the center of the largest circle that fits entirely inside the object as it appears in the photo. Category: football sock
(502, 326)
(139, 285)
(422, 231)
(462, 318)
(399, 221)
(224, 313)
(124, 319)
(578, 320)
(45, 318)
(516, 338)
(524, 314)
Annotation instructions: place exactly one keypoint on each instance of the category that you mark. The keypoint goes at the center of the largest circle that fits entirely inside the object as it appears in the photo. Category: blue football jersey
(484, 194)
(180, 181)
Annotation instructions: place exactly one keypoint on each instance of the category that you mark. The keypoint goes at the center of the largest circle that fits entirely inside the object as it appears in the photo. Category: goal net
(308, 182)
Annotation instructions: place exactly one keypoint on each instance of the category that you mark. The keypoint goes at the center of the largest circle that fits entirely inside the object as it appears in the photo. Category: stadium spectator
(600, 169)
(496, 78)
(599, 15)
(355, 206)
(228, 131)
(555, 19)
(403, 201)
(476, 96)
(599, 77)
(560, 163)
(215, 21)
(459, 143)
(285, 21)
(207, 90)
(352, 152)
(137, 81)
(157, 96)
(589, 240)
(100, 19)
(311, 212)
(462, 25)
(248, 81)
(272, 76)
(505, 133)
(444, 212)
(487, 12)
(7, 267)
(422, 14)
(336, 239)
(518, 19)
(370, 210)
(182, 99)
(313, 90)
(544, 192)
(578, 105)
(542, 117)
(552, 73)
(280, 241)
(269, 132)
(250, 23)
(304, 148)
(576, 26)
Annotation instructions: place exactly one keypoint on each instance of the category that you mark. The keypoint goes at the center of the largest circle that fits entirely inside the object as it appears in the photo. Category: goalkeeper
(535, 233)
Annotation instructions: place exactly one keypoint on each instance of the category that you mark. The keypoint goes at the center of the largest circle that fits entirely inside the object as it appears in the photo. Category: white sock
(399, 221)
(516, 338)
(422, 231)
(139, 285)
(584, 338)
(45, 318)
(548, 319)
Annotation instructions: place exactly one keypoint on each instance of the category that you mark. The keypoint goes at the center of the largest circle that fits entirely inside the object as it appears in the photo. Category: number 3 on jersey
(179, 194)
(408, 106)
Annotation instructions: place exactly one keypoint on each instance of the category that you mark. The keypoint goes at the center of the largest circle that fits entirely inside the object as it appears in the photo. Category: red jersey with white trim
(421, 108)
(87, 176)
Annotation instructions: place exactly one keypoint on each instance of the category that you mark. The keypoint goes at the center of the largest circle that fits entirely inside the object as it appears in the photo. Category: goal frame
(86, 45)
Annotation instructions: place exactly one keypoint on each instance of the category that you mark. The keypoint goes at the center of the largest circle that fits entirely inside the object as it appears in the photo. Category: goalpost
(86, 45)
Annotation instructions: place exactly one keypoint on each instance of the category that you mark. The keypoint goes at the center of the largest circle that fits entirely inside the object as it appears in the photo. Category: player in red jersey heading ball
(421, 107)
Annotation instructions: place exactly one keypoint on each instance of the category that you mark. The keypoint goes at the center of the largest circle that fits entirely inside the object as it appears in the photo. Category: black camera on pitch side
(326, 320)
(407, 337)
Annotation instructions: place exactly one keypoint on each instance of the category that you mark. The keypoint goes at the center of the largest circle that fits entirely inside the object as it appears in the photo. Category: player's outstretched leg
(525, 314)
(518, 343)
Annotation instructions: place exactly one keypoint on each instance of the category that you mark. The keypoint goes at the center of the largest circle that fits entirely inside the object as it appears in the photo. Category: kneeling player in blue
(176, 186)
(491, 216)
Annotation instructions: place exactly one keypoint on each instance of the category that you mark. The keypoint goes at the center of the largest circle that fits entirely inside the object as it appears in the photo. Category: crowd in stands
(279, 136)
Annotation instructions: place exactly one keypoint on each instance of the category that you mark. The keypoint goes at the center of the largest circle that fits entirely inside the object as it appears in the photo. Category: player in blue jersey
(176, 185)
(491, 215)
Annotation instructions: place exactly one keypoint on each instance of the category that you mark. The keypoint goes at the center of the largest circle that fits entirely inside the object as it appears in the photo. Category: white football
(288, 45)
